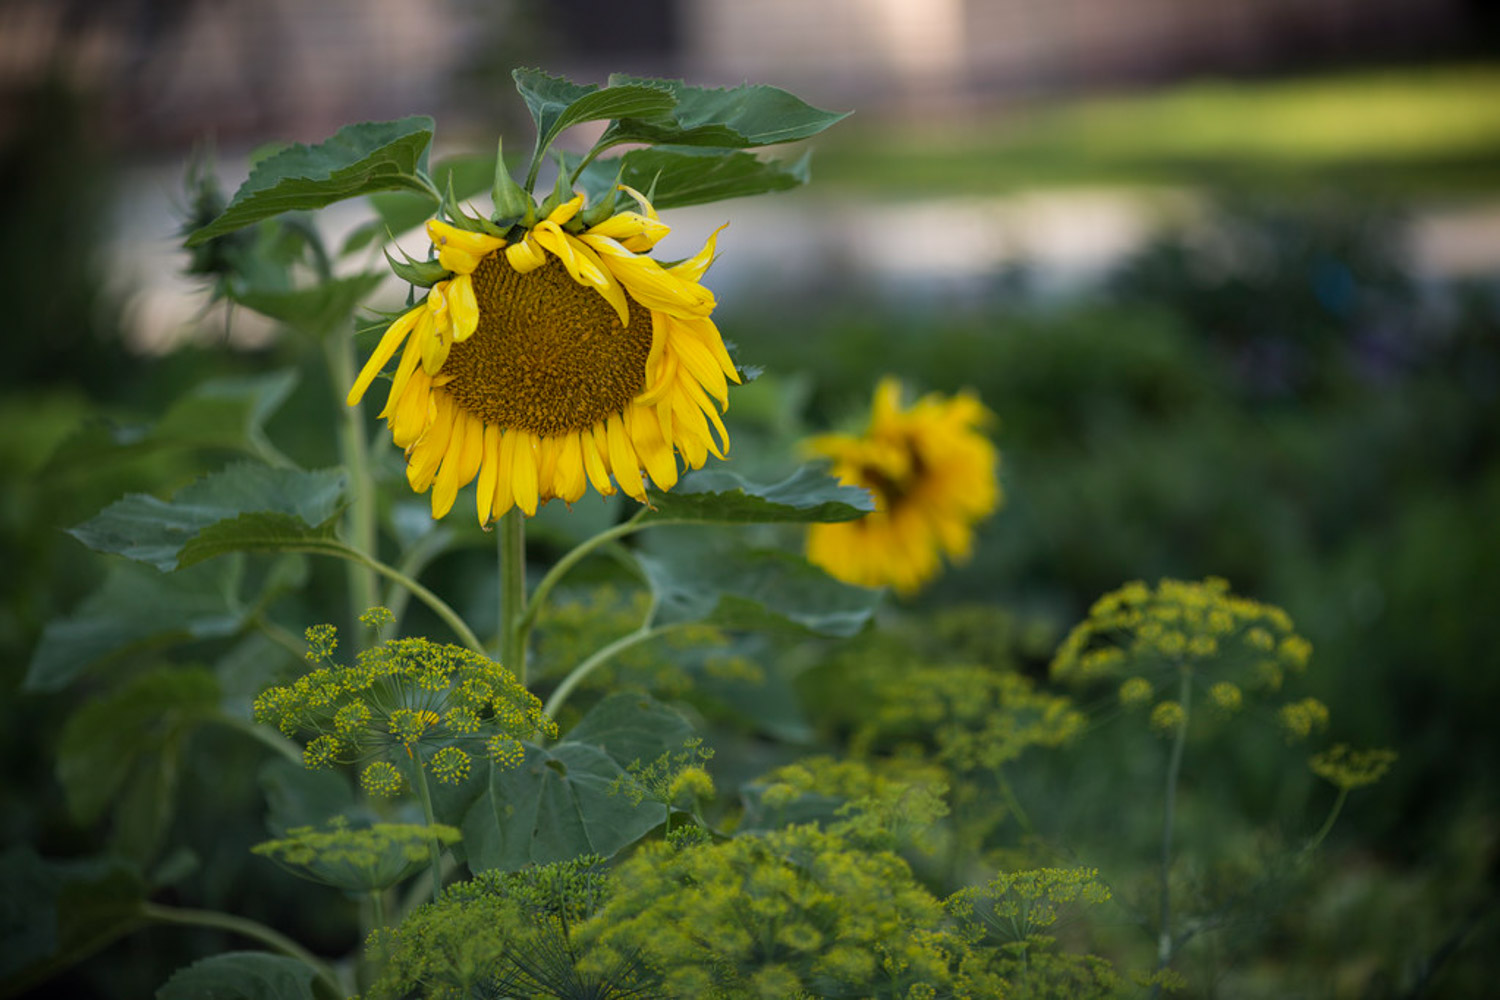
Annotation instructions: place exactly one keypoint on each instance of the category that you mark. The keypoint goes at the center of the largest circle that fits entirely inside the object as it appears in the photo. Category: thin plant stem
(283, 637)
(598, 659)
(571, 559)
(354, 449)
(246, 928)
(1333, 815)
(332, 547)
(262, 734)
(513, 592)
(1169, 810)
(432, 842)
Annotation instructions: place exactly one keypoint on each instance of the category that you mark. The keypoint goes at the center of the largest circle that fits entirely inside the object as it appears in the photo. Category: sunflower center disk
(549, 355)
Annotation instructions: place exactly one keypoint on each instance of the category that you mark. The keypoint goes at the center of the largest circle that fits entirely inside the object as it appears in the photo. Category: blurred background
(1228, 274)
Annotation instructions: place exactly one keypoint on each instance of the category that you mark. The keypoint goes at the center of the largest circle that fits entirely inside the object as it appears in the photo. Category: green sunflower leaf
(222, 413)
(680, 176)
(734, 118)
(557, 104)
(703, 576)
(54, 914)
(557, 804)
(715, 496)
(209, 517)
(242, 975)
(135, 609)
(359, 159)
(139, 725)
(399, 211)
(317, 310)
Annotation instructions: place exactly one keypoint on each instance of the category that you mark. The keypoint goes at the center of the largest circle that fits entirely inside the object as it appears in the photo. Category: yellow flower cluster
(366, 859)
(978, 718)
(399, 697)
(1346, 768)
(1154, 636)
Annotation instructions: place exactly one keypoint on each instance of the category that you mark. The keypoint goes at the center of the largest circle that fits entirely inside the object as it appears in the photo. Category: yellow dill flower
(1346, 768)
(932, 474)
(554, 362)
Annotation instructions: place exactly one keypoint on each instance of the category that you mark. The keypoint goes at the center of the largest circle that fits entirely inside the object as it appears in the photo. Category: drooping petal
(444, 234)
(464, 307)
(394, 335)
(523, 477)
(489, 467)
(693, 268)
(623, 460)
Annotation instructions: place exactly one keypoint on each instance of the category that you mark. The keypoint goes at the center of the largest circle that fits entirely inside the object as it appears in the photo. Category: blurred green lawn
(1432, 130)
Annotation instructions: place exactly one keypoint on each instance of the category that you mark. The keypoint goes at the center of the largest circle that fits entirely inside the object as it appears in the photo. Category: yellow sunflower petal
(649, 283)
(394, 335)
(411, 357)
(505, 494)
(654, 451)
(523, 472)
(584, 266)
(444, 234)
(525, 256)
(489, 466)
(564, 213)
(570, 480)
(593, 463)
(464, 307)
(623, 460)
(692, 269)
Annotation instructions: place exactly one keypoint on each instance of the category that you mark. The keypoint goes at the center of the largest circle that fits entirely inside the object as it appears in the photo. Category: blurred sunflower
(556, 360)
(932, 475)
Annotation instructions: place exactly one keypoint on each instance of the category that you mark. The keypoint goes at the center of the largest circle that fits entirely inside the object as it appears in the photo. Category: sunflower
(932, 475)
(562, 358)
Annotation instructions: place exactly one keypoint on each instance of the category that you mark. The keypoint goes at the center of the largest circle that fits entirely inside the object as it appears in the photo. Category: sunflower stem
(354, 450)
(513, 620)
(433, 849)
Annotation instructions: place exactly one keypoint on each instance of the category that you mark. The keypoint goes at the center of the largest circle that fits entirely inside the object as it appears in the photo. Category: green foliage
(56, 913)
(792, 911)
(358, 159)
(405, 699)
(556, 104)
(720, 581)
(123, 751)
(732, 118)
(244, 507)
(138, 609)
(1010, 925)
(505, 935)
(715, 496)
(244, 975)
(357, 859)
(560, 802)
(679, 177)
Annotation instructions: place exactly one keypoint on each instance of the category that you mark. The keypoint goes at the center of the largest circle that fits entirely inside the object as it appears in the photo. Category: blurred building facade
(169, 70)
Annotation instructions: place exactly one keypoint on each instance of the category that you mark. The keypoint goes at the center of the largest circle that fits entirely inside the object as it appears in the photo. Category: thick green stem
(513, 593)
(433, 848)
(359, 522)
(1164, 944)
(246, 928)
